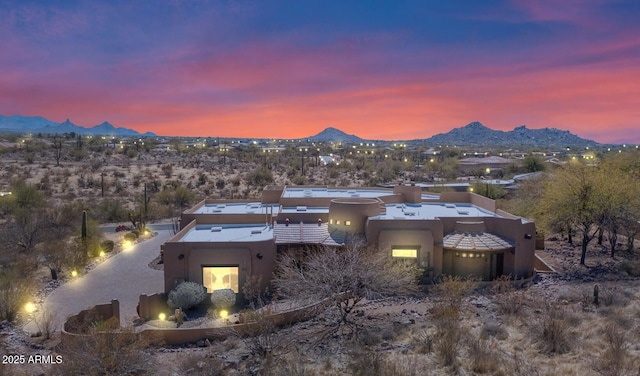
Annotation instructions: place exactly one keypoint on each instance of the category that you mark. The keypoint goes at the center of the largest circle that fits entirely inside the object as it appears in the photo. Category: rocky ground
(499, 331)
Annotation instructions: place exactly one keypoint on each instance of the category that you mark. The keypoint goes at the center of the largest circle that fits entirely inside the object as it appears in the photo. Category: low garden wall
(81, 323)
(179, 336)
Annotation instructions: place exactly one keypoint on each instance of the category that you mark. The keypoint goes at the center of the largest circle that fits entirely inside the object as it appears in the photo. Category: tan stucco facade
(419, 238)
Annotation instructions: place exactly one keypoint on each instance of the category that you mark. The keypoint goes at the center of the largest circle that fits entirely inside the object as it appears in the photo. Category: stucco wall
(354, 210)
(427, 234)
(184, 261)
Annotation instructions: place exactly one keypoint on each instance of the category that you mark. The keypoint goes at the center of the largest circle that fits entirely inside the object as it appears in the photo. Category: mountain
(333, 134)
(476, 134)
(38, 124)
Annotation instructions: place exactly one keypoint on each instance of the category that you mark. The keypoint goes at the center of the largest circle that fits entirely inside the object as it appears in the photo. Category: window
(337, 222)
(348, 223)
(220, 277)
(405, 252)
(330, 221)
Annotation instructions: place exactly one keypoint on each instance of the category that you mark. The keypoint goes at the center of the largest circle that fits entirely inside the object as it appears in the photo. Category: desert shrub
(631, 267)
(614, 360)
(452, 290)
(262, 337)
(223, 298)
(107, 245)
(259, 177)
(46, 321)
(422, 342)
(130, 236)
(493, 329)
(610, 297)
(115, 352)
(369, 337)
(136, 233)
(509, 300)
(367, 362)
(484, 359)
(554, 331)
(253, 293)
(14, 293)
(201, 365)
(186, 295)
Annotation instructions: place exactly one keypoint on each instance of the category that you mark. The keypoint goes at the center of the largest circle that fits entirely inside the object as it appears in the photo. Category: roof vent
(450, 206)
(216, 229)
(253, 232)
(301, 208)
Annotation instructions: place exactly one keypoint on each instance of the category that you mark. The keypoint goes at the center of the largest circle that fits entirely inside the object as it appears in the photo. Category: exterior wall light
(259, 256)
(181, 256)
(528, 236)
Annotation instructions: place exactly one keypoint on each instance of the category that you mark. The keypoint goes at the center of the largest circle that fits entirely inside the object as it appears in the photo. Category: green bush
(223, 299)
(130, 236)
(136, 233)
(186, 295)
(107, 245)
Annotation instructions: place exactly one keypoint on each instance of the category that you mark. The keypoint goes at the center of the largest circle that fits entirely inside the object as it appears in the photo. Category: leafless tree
(347, 274)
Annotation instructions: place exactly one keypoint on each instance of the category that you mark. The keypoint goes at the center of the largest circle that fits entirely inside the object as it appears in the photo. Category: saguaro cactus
(84, 225)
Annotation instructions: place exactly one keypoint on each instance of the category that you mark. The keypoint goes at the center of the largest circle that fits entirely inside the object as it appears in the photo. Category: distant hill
(476, 134)
(38, 124)
(333, 134)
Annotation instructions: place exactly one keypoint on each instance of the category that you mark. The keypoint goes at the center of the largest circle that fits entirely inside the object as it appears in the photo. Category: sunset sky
(287, 69)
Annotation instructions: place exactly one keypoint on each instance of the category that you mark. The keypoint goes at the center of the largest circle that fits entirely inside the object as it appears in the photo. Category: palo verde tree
(572, 201)
(619, 178)
(347, 274)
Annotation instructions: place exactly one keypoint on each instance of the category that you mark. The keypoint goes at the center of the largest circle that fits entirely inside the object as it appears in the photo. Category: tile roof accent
(308, 233)
(482, 241)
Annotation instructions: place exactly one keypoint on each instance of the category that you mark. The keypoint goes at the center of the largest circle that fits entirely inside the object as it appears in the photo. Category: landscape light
(162, 316)
(74, 273)
(127, 244)
(101, 253)
(30, 307)
(224, 314)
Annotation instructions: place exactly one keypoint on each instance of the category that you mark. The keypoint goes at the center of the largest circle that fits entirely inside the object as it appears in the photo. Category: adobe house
(224, 242)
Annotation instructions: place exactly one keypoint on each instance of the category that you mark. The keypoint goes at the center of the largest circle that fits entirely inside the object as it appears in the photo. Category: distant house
(222, 243)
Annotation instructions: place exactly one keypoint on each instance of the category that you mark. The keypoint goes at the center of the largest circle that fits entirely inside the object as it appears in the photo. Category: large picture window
(404, 252)
(220, 277)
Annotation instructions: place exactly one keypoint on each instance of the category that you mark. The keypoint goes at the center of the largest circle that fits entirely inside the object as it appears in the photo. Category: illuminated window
(348, 223)
(220, 277)
(337, 222)
(331, 221)
(404, 252)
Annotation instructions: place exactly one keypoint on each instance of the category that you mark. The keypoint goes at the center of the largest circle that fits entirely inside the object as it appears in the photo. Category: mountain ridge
(39, 124)
(472, 134)
(477, 134)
